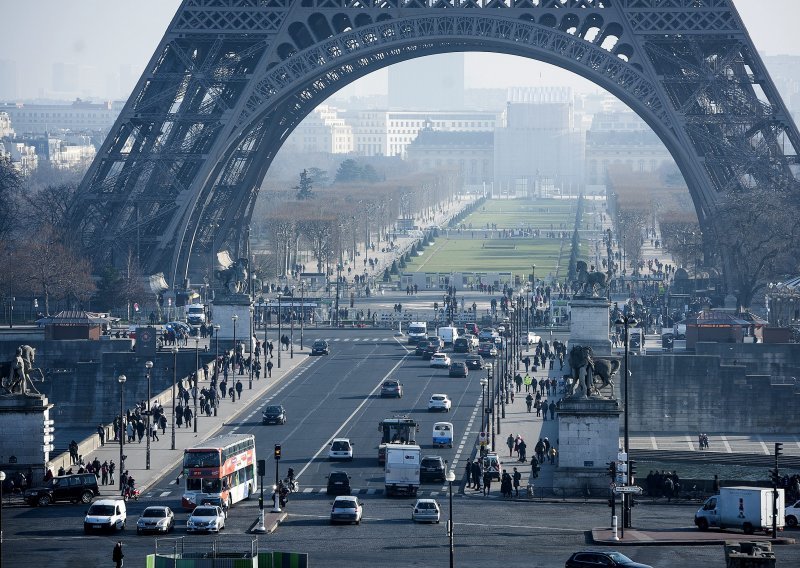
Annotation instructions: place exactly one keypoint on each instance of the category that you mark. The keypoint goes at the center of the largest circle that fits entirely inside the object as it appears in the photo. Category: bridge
(178, 176)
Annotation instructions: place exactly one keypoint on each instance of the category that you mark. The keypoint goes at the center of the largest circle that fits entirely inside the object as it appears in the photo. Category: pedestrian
(468, 471)
(101, 432)
(162, 422)
(543, 407)
(130, 431)
(223, 386)
(179, 416)
(188, 415)
(523, 449)
(269, 369)
(232, 394)
(487, 482)
(510, 444)
(516, 476)
(140, 430)
(154, 432)
(239, 389)
(118, 555)
(529, 401)
(476, 475)
(505, 485)
(552, 410)
(552, 453)
(112, 467)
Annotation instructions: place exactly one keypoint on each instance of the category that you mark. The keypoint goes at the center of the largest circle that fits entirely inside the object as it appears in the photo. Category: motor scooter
(129, 493)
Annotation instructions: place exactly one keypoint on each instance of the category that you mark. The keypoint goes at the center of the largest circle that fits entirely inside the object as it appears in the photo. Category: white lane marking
(367, 399)
(653, 441)
(726, 444)
(690, 442)
(164, 493)
(763, 445)
(520, 527)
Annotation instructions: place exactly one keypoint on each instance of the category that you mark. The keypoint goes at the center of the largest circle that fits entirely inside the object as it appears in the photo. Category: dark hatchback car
(431, 468)
(320, 347)
(462, 345)
(421, 347)
(458, 369)
(338, 483)
(430, 349)
(474, 362)
(390, 387)
(597, 558)
(79, 487)
(274, 414)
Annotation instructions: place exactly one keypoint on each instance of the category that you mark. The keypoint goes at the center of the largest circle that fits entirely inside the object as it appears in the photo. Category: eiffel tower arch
(178, 176)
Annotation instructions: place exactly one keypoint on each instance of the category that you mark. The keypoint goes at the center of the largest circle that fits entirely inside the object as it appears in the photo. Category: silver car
(206, 518)
(426, 511)
(156, 519)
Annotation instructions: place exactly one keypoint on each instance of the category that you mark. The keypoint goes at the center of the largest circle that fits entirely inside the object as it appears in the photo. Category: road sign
(628, 489)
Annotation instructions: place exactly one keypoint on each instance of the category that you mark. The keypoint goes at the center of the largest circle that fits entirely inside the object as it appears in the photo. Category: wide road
(337, 396)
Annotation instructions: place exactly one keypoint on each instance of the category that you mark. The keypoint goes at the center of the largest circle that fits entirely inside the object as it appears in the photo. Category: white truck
(402, 469)
(417, 331)
(195, 314)
(745, 508)
(447, 334)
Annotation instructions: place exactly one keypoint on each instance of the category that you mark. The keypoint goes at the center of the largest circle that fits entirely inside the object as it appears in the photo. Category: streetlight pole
(121, 379)
(280, 337)
(484, 413)
(626, 321)
(451, 477)
(174, 386)
(250, 345)
(195, 392)
(216, 367)
(235, 318)
(291, 327)
(302, 309)
(2, 480)
(149, 366)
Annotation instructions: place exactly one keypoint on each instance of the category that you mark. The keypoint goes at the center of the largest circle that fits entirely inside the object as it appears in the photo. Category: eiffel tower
(177, 178)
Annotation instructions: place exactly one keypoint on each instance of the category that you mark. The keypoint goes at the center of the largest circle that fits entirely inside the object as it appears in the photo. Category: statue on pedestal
(589, 283)
(233, 279)
(584, 368)
(16, 375)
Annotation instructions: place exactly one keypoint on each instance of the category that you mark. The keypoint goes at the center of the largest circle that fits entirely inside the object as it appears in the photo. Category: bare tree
(630, 226)
(10, 187)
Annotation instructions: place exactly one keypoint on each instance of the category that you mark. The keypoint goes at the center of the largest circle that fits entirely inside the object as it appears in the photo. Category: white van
(105, 515)
(195, 314)
(447, 334)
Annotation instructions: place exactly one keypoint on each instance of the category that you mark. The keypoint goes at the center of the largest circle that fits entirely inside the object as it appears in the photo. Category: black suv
(462, 345)
(431, 468)
(274, 414)
(320, 347)
(338, 483)
(79, 487)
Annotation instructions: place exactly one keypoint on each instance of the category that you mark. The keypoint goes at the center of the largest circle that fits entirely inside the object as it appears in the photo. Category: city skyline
(81, 49)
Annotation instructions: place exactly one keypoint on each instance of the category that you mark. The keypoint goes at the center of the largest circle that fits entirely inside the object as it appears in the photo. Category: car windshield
(619, 557)
(338, 476)
(204, 512)
(101, 510)
(273, 410)
(203, 458)
(207, 485)
(154, 513)
(319, 344)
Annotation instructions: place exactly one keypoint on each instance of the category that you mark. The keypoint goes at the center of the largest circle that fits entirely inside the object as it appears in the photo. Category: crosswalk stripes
(310, 491)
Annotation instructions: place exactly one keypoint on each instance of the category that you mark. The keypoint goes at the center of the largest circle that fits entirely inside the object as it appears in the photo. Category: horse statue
(234, 278)
(589, 283)
(580, 359)
(605, 369)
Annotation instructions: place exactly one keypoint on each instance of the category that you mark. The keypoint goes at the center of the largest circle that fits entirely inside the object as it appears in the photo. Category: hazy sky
(111, 41)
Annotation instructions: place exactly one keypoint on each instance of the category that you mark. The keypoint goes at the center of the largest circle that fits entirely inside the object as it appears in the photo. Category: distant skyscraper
(66, 78)
(8, 80)
(435, 82)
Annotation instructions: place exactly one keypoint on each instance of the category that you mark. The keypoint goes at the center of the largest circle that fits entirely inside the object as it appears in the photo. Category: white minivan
(105, 515)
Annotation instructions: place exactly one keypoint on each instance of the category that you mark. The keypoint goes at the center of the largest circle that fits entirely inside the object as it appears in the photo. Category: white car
(792, 514)
(426, 511)
(106, 514)
(440, 402)
(473, 339)
(346, 509)
(341, 449)
(206, 518)
(156, 519)
(501, 329)
(440, 361)
(529, 338)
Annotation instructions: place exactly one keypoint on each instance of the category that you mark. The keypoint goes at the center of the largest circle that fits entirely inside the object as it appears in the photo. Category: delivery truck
(402, 469)
(745, 508)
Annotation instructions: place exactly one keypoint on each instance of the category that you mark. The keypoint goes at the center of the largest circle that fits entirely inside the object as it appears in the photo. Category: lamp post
(451, 477)
(174, 386)
(235, 318)
(149, 366)
(196, 374)
(2, 479)
(250, 345)
(484, 383)
(302, 309)
(121, 379)
(627, 322)
(291, 328)
(280, 337)
(216, 366)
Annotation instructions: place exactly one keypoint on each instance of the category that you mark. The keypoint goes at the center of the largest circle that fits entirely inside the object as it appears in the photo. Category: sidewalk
(683, 536)
(162, 458)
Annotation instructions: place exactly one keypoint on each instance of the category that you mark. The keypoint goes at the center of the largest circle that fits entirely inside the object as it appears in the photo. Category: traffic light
(261, 467)
(436, 306)
(277, 453)
(632, 468)
(612, 470)
(775, 476)
(778, 449)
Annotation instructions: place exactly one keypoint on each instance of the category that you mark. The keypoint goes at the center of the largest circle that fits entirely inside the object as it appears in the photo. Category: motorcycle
(292, 485)
(129, 493)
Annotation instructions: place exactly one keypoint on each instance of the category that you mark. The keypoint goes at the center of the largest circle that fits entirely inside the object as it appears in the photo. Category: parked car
(431, 468)
(346, 509)
(426, 511)
(391, 387)
(341, 449)
(595, 558)
(78, 487)
(338, 483)
(105, 515)
(487, 350)
(206, 518)
(458, 369)
(274, 414)
(440, 361)
(320, 347)
(440, 402)
(474, 362)
(156, 519)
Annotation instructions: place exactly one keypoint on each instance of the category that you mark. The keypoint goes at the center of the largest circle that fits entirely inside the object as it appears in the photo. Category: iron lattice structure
(178, 176)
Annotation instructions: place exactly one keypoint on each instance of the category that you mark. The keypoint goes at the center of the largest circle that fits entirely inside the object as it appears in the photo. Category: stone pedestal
(223, 312)
(589, 324)
(27, 434)
(588, 439)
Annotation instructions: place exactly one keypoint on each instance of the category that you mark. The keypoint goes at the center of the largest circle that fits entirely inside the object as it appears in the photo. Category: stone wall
(24, 442)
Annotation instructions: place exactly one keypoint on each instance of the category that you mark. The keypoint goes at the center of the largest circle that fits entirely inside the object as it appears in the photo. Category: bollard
(614, 528)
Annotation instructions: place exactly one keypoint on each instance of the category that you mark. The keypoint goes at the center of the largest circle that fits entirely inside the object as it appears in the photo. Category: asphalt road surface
(337, 396)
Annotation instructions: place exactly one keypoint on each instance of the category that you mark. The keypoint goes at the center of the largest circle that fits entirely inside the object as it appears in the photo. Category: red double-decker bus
(220, 470)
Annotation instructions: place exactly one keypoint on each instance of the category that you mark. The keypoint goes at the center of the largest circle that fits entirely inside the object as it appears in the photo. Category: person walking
(269, 369)
(529, 401)
(154, 432)
(552, 453)
(510, 444)
(239, 388)
(104, 473)
(476, 475)
(517, 477)
(487, 482)
(101, 432)
(118, 555)
(523, 449)
(468, 471)
(552, 410)
(188, 415)
(162, 422)
(112, 467)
